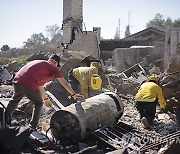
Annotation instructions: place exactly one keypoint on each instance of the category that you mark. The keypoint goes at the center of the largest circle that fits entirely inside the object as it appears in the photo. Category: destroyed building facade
(153, 44)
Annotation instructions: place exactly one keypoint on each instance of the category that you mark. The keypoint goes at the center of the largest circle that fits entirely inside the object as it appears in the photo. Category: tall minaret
(72, 19)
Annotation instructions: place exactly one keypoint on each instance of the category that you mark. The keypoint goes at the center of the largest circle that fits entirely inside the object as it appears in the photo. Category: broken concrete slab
(134, 69)
(4, 74)
(127, 57)
(72, 62)
(155, 70)
(163, 116)
(38, 56)
(5, 101)
(127, 88)
(173, 68)
(12, 67)
(171, 80)
(6, 91)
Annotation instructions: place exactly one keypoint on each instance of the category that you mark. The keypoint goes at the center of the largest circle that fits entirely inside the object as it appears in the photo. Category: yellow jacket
(148, 92)
(83, 75)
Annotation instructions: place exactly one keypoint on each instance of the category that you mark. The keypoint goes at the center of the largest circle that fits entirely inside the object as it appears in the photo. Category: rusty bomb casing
(77, 120)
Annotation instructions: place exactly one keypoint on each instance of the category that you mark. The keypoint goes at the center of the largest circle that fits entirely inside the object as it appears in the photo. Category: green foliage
(5, 48)
(157, 22)
(176, 23)
(5, 60)
(35, 40)
(160, 22)
(168, 23)
(15, 52)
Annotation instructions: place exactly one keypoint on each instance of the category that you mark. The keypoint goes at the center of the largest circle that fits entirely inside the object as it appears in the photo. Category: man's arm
(66, 85)
(43, 93)
(46, 99)
(161, 99)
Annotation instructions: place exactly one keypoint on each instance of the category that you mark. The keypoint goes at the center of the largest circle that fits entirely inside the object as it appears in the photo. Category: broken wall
(127, 57)
(86, 41)
(172, 46)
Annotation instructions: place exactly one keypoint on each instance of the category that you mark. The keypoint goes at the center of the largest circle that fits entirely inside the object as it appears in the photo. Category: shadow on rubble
(13, 139)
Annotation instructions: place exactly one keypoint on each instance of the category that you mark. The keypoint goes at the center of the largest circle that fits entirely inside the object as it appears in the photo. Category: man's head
(55, 58)
(95, 64)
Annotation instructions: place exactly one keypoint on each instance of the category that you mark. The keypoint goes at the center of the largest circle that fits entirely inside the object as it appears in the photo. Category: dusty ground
(164, 124)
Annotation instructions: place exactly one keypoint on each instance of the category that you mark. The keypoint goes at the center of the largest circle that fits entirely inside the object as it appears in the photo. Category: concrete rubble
(4, 75)
(125, 85)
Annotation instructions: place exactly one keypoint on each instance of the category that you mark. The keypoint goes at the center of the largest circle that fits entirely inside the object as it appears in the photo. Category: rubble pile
(125, 84)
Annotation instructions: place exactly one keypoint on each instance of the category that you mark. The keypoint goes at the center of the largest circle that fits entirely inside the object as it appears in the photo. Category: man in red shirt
(29, 82)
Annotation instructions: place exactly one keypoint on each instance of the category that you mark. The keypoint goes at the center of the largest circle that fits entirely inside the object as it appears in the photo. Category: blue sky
(22, 18)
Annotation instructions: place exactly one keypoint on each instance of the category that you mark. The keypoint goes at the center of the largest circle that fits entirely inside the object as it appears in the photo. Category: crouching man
(85, 77)
(147, 97)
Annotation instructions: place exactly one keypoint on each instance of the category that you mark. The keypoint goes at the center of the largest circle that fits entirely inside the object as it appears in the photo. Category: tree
(35, 40)
(176, 23)
(168, 23)
(53, 30)
(5, 48)
(157, 22)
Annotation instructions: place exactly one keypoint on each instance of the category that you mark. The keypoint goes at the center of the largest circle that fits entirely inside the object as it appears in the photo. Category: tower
(72, 19)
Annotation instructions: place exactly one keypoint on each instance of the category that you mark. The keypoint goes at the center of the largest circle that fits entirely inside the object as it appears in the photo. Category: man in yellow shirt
(82, 76)
(149, 94)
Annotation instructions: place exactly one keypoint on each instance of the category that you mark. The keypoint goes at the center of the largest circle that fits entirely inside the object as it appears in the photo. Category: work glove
(76, 96)
(47, 102)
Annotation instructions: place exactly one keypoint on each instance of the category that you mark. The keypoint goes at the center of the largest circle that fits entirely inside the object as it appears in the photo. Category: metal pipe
(78, 120)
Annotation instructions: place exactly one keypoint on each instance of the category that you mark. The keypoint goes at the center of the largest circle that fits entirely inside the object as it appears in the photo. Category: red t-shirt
(36, 73)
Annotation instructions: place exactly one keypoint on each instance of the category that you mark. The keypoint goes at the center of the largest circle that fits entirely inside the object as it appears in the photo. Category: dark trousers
(147, 110)
(33, 95)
